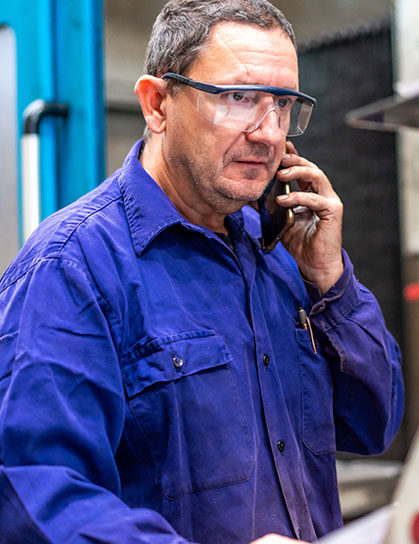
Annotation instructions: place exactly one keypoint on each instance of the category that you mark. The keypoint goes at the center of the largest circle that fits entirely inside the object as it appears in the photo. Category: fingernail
(284, 171)
(282, 197)
(286, 156)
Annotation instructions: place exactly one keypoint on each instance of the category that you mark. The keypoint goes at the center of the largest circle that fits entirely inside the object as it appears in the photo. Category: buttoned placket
(284, 449)
(287, 464)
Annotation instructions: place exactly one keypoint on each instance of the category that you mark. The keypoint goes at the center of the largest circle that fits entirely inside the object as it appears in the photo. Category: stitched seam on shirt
(326, 325)
(143, 348)
(97, 293)
(336, 347)
(62, 260)
(128, 202)
(28, 265)
(83, 220)
(133, 226)
(168, 222)
(26, 269)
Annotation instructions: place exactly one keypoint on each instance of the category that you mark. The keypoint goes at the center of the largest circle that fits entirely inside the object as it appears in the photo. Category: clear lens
(246, 110)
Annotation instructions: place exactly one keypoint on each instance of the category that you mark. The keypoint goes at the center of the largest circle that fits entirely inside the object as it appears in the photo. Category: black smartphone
(275, 220)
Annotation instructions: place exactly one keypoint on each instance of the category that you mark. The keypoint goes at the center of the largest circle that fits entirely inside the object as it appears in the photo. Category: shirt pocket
(184, 397)
(318, 426)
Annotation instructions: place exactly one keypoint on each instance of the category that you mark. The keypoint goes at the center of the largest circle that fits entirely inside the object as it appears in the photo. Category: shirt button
(177, 361)
(266, 359)
(280, 445)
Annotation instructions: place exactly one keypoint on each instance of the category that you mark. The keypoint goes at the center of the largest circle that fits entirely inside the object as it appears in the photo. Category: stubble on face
(213, 186)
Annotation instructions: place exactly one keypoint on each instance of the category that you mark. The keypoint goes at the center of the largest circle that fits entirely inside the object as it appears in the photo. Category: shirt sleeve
(62, 416)
(366, 364)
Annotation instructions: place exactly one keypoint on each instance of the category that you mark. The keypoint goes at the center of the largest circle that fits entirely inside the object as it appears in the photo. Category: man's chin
(246, 191)
(231, 203)
(234, 195)
(248, 197)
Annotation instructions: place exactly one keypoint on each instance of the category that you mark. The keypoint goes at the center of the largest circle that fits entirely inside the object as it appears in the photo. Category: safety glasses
(244, 107)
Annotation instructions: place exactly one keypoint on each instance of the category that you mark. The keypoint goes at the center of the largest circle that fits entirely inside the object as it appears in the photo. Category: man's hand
(276, 539)
(315, 241)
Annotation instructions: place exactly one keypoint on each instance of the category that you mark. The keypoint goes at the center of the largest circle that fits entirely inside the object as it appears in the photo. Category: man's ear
(151, 93)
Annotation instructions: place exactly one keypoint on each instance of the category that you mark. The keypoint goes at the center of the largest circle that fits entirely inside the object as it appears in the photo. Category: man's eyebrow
(236, 81)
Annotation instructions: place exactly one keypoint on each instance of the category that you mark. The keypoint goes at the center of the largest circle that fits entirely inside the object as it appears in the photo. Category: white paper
(370, 529)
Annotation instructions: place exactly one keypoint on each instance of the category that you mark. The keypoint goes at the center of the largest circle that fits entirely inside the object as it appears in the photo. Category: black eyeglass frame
(217, 89)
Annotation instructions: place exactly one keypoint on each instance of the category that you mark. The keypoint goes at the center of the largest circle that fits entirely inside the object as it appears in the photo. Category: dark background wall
(346, 71)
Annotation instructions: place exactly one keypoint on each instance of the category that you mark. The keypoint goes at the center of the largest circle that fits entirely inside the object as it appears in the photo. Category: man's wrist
(335, 291)
(324, 280)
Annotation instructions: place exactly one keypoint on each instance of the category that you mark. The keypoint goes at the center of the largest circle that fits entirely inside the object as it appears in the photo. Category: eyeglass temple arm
(192, 83)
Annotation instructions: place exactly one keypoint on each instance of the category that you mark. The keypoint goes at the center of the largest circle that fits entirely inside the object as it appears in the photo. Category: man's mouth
(251, 162)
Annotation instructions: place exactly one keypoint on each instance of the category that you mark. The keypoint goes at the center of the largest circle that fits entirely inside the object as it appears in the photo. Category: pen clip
(302, 318)
(305, 323)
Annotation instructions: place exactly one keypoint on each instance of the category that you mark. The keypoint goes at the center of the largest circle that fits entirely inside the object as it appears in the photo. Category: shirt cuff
(339, 299)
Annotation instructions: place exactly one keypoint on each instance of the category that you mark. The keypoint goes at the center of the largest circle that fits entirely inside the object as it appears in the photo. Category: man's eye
(238, 97)
(284, 102)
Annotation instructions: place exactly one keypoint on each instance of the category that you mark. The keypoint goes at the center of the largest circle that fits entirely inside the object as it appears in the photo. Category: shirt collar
(149, 210)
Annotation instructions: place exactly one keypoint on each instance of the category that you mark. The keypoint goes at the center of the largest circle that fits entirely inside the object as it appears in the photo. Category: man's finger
(305, 176)
(322, 205)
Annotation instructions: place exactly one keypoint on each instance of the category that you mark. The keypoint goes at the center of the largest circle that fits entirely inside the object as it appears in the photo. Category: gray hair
(182, 28)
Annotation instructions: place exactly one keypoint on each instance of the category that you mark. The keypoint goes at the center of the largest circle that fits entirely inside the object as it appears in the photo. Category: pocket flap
(172, 357)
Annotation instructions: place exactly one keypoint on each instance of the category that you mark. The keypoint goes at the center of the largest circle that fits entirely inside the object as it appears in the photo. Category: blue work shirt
(156, 385)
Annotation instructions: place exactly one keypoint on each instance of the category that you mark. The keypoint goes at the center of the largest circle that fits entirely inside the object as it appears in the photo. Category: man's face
(216, 166)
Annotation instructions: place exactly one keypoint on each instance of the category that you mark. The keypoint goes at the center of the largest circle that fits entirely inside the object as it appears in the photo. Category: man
(157, 383)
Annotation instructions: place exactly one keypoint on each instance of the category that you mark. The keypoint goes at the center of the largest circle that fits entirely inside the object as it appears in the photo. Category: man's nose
(268, 129)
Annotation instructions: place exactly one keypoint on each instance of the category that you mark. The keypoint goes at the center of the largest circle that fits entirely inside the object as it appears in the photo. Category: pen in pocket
(306, 324)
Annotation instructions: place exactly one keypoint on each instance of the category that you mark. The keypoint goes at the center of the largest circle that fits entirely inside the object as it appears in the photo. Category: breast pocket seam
(218, 348)
(304, 347)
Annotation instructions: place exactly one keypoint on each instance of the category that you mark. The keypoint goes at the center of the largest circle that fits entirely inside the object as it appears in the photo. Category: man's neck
(196, 212)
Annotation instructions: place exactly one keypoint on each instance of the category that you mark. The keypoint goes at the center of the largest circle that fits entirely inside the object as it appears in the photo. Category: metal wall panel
(9, 231)
(59, 59)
